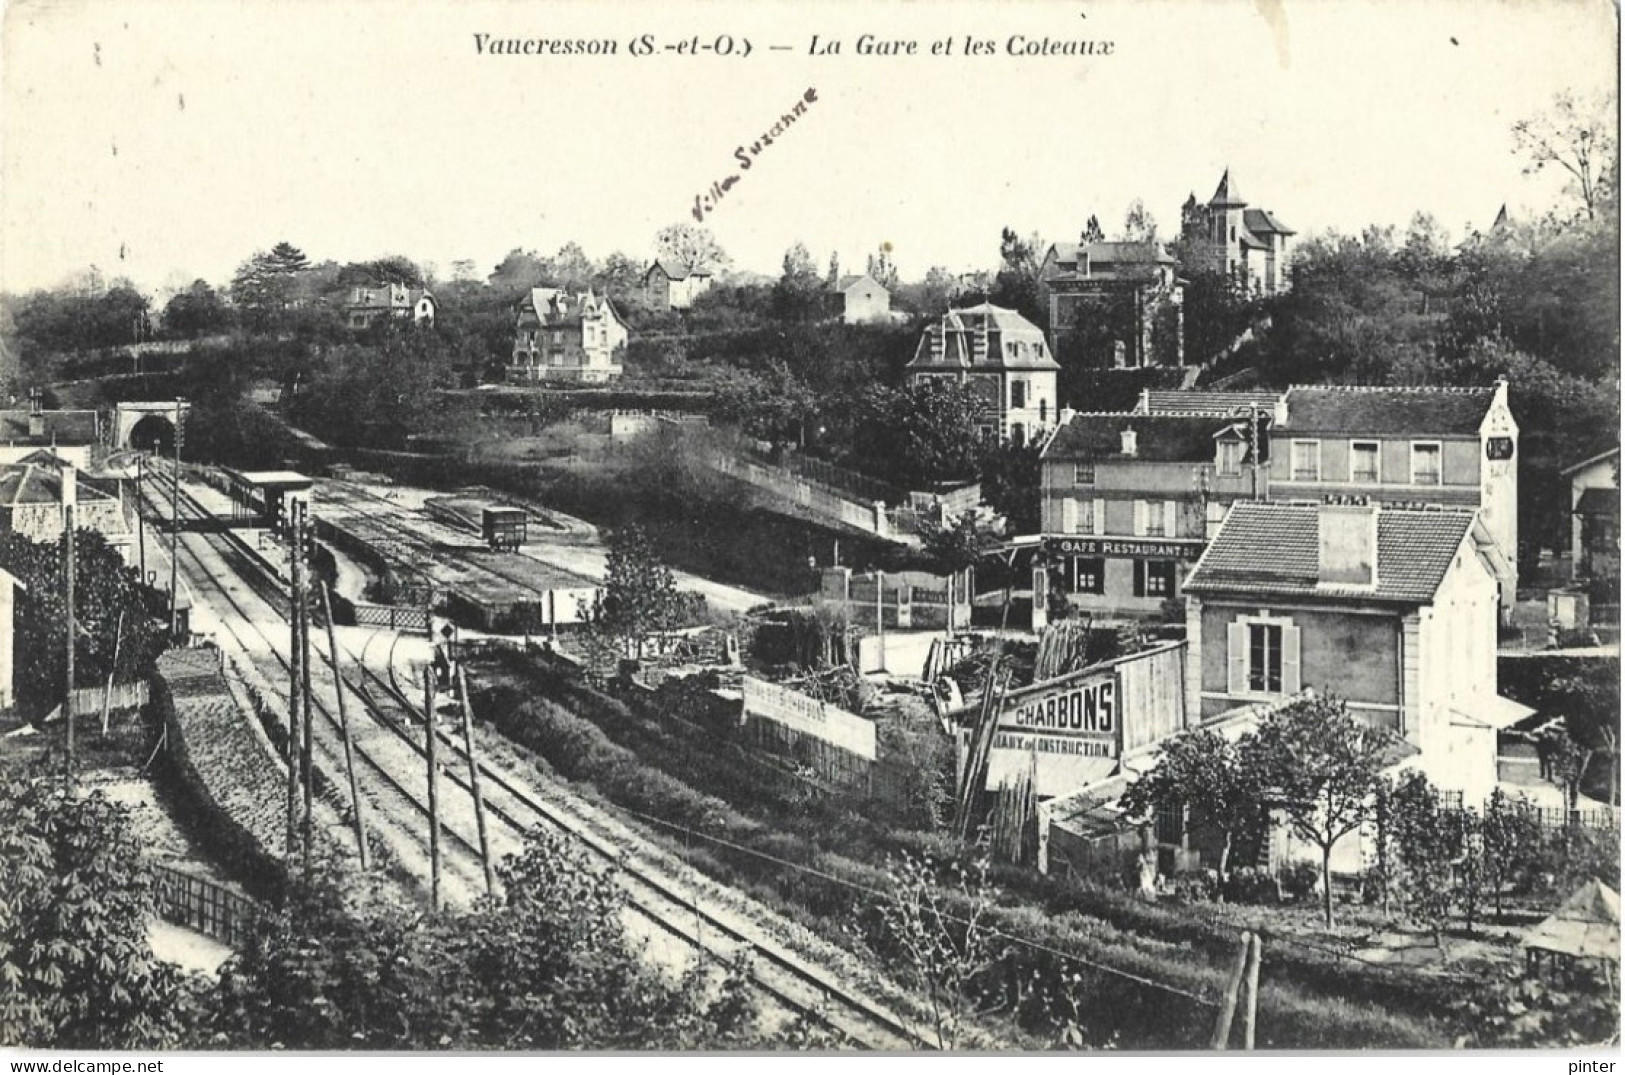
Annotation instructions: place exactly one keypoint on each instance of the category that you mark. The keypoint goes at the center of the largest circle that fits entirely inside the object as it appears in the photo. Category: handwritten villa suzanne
(707, 202)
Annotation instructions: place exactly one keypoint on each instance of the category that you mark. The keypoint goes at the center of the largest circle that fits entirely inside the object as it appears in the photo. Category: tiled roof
(1598, 502)
(845, 283)
(66, 428)
(1270, 549)
(1114, 253)
(675, 270)
(1419, 411)
(1172, 401)
(1264, 222)
(556, 308)
(1159, 438)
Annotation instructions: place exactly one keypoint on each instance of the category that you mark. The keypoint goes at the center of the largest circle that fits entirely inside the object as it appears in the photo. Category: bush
(1299, 881)
(1248, 885)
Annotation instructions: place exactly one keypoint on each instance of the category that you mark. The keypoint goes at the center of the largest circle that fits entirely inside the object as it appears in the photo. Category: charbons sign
(1133, 547)
(1086, 708)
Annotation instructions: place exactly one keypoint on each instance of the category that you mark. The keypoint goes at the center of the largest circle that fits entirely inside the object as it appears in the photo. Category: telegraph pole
(305, 763)
(67, 699)
(434, 789)
(140, 518)
(474, 780)
(175, 522)
(344, 729)
(296, 686)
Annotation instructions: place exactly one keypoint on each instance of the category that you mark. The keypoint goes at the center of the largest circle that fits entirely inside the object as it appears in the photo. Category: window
(1155, 521)
(1306, 460)
(1426, 468)
(1018, 394)
(1365, 461)
(1083, 474)
(1263, 656)
(1088, 575)
(1230, 457)
(1170, 823)
(1154, 578)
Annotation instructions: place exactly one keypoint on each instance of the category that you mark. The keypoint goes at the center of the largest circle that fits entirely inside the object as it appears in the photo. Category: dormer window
(1231, 453)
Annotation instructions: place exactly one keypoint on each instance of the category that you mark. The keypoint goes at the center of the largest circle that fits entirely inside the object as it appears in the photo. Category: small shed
(263, 495)
(1585, 927)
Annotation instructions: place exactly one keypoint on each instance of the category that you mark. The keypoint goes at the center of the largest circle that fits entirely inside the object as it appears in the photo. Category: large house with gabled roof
(1003, 357)
(1391, 609)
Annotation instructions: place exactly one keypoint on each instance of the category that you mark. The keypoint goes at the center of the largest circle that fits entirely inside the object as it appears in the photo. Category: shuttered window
(1264, 657)
(1141, 518)
(1069, 516)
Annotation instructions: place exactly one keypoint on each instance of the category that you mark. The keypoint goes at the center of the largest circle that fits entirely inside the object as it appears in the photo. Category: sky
(165, 140)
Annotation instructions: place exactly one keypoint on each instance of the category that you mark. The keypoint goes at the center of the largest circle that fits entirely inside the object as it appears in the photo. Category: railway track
(789, 979)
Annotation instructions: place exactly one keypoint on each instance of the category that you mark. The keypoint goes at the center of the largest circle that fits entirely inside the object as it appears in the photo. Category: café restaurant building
(1129, 501)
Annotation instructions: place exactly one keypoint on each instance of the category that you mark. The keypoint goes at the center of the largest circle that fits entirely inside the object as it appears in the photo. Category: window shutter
(1238, 658)
(1100, 516)
(1289, 660)
(1069, 516)
(1170, 518)
(1139, 578)
(1140, 514)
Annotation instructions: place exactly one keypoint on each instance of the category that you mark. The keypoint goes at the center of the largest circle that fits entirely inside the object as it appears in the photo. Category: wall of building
(1599, 475)
(1354, 655)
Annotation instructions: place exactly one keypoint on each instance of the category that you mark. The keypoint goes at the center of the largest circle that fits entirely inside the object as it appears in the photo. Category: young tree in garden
(197, 311)
(1010, 475)
(1319, 766)
(1429, 844)
(924, 434)
(1202, 773)
(799, 293)
(773, 405)
(1512, 841)
(640, 595)
(944, 936)
(1139, 226)
(76, 969)
(1017, 285)
(961, 541)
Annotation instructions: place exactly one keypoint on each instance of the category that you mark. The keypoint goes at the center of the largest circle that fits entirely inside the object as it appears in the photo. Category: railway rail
(789, 979)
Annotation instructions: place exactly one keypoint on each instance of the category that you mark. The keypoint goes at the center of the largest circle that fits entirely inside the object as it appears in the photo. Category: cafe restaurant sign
(1134, 548)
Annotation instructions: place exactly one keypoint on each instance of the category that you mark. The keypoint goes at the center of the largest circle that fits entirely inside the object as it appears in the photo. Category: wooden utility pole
(73, 627)
(140, 515)
(306, 765)
(344, 730)
(474, 780)
(107, 695)
(1249, 1012)
(434, 788)
(296, 687)
(175, 526)
(1232, 990)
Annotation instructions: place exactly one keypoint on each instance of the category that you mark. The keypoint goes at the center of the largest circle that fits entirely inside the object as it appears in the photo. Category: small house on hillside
(859, 299)
(671, 285)
(370, 305)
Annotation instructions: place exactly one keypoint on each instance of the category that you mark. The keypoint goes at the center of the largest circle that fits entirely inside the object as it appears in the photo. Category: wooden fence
(1556, 817)
(392, 616)
(200, 904)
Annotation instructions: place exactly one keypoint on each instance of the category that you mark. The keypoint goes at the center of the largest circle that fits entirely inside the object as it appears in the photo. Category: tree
(691, 246)
(882, 268)
(379, 272)
(640, 595)
(1093, 232)
(547, 965)
(1139, 226)
(1203, 775)
(76, 969)
(773, 405)
(1319, 767)
(572, 269)
(799, 293)
(1429, 842)
(960, 542)
(1512, 841)
(1577, 135)
(197, 311)
(620, 277)
(924, 434)
(1017, 285)
(944, 948)
(1010, 476)
(518, 272)
(103, 589)
(268, 282)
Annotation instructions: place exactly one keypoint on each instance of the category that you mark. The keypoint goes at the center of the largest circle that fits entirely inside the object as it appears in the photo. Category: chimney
(1066, 416)
(1130, 442)
(1348, 543)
